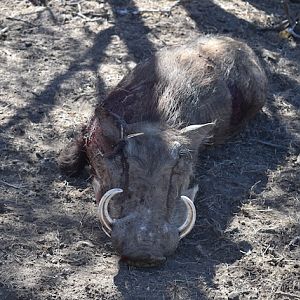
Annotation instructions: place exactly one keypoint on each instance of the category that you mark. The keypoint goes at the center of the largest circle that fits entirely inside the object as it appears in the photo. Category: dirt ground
(56, 62)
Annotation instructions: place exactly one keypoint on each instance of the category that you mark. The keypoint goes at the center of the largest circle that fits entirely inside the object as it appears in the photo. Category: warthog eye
(185, 153)
(117, 149)
(179, 151)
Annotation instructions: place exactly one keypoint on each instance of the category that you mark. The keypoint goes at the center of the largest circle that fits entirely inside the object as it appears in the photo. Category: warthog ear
(72, 158)
(198, 134)
(110, 125)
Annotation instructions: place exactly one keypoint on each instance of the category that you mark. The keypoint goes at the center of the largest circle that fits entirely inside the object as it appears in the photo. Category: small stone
(28, 44)
(62, 245)
(272, 56)
(2, 208)
(82, 244)
(50, 250)
(229, 282)
(234, 296)
(38, 155)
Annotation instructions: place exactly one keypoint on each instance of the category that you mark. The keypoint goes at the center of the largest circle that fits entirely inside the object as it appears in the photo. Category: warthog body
(143, 139)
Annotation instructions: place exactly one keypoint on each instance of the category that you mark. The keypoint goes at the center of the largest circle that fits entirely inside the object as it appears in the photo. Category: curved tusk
(104, 216)
(106, 231)
(189, 223)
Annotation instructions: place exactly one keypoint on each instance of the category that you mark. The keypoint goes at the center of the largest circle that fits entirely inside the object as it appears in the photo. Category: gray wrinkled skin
(215, 79)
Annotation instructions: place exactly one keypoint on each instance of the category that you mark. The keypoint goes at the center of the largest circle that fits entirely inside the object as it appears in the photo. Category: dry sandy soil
(57, 61)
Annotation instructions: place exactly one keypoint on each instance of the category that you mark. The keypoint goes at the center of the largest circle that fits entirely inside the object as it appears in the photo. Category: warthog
(142, 141)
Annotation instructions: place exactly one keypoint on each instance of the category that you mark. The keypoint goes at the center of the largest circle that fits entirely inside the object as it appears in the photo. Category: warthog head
(141, 179)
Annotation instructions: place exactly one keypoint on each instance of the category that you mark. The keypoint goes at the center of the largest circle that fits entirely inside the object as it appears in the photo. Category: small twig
(79, 9)
(75, 3)
(84, 191)
(258, 210)
(292, 21)
(37, 11)
(53, 17)
(168, 10)
(184, 263)
(90, 177)
(4, 30)
(20, 20)
(81, 221)
(81, 15)
(279, 26)
(266, 250)
(287, 12)
(289, 295)
(252, 192)
(270, 144)
(12, 185)
(17, 260)
(89, 19)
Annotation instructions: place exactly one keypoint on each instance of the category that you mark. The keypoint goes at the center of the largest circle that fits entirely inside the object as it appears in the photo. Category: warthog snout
(144, 237)
(142, 244)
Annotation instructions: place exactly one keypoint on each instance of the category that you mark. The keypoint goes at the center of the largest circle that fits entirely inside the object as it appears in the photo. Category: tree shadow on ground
(132, 30)
(48, 97)
(225, 185)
